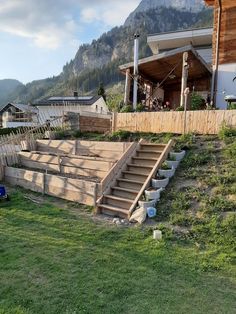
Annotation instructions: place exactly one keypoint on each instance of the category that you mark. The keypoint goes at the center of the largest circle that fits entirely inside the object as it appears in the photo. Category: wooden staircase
(131, 178)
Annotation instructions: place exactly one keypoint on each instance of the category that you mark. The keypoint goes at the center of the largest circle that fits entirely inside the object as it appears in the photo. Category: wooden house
(224, 50)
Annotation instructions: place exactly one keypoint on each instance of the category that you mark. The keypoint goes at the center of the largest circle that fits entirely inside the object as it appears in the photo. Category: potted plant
(166, 171)
(178, 154)
(160, 182)
(153, 194)
(145, 202)
(172, 162)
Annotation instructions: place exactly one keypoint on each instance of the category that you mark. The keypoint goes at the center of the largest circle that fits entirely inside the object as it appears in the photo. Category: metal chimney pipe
(136, 57)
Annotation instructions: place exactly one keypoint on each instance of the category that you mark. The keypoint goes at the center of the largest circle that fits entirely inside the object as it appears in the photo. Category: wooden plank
(31, 180)
(71, 189)
(56, 146)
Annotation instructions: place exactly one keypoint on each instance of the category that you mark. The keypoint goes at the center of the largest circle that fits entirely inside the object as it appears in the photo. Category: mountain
(193, 6)
(98, 62)
(7, 87)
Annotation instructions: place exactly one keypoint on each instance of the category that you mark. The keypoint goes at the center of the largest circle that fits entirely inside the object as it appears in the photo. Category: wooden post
(186, 92)
(184, 77)
(127, 87)
(114, 121)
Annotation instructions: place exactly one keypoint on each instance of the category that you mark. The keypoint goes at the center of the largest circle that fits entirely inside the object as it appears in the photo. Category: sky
(38, 37)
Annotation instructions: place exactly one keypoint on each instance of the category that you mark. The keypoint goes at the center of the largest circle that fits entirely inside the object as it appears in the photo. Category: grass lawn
(55, 258)
(55, 261)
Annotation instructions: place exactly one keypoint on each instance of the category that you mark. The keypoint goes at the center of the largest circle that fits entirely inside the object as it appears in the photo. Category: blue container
(3, 192)
(151, 212)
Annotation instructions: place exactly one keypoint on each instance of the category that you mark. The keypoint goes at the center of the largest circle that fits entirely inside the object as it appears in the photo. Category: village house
(18, 115)
(54, 107)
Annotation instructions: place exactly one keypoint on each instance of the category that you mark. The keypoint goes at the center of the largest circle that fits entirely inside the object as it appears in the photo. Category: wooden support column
(184, 78)
(127, 87)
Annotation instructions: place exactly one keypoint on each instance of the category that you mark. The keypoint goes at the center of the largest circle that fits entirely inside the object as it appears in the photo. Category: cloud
(49, 23)
(111, 13)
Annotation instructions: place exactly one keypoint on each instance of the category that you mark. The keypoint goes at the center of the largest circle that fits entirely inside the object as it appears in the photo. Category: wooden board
(75, 190)
(201, 122)
(70, 189)
(31, 180)
(91, 148)
(56, 146)
(68, 165)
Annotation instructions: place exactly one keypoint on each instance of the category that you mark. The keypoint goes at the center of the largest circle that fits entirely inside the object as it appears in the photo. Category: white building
(54, 107)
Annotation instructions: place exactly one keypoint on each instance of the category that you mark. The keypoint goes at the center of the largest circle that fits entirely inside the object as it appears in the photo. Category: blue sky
(37, 37)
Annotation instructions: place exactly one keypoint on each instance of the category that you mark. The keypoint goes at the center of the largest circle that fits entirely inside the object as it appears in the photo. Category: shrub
(126, 108)
(196, 101)
(120, 135)
(140, 107)
(226, 132)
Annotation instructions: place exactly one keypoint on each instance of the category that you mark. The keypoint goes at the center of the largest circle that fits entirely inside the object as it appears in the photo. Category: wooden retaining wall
(70, 164)
(75, 190)
(201, 122)
(95, 124)
(109, 150)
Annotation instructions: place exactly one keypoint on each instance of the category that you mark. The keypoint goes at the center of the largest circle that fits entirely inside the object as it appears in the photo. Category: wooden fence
(179, 122)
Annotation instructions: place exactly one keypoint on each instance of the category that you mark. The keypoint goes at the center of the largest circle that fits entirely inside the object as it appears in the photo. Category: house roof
(21, 107)
(81, 100)
(157, 67)
(200, 37)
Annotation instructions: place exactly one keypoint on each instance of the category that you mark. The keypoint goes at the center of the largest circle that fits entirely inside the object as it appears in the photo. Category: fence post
(114, 121)
(186, 92)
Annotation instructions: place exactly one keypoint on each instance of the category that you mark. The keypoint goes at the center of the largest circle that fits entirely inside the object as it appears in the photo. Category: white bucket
(157, 234)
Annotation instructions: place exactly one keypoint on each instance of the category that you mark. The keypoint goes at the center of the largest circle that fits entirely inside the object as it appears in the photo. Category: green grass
(55, 261)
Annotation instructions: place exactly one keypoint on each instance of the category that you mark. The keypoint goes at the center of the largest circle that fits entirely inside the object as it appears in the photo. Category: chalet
(224, 50)
(16, 115)
(53, 107)
(160, 76)
(204, 60)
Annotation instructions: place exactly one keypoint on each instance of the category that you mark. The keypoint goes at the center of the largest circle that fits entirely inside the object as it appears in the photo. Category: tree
(101, 91)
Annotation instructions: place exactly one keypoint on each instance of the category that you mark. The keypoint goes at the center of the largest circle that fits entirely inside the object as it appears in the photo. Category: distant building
(16, 115)
(54, 107)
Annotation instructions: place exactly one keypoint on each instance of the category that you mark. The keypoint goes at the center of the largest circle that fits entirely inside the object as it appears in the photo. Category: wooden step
(149, 153)
(113, 211)
(144, 161)
(140, 168)
(117, 201)
(131, 175)
(129, 184)
(124, 192)
(152, 147)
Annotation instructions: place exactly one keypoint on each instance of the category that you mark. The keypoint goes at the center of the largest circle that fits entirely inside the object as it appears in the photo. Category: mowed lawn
(55, 261)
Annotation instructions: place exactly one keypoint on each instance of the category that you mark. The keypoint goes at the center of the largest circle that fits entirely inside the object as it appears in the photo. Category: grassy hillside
(57, 258)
